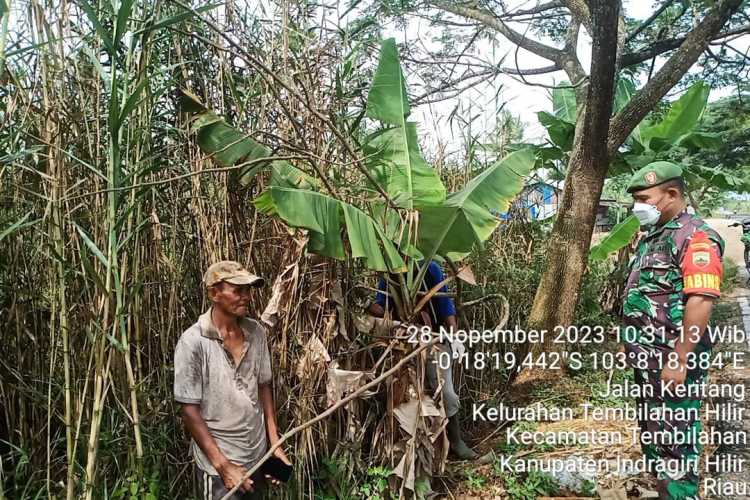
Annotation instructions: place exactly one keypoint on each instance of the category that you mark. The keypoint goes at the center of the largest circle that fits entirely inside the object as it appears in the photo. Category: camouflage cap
(231, 272)
(654, 174)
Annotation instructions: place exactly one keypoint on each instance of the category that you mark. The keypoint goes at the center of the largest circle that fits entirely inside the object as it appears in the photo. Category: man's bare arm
(376, 310)
(230, 473)
(269, 412)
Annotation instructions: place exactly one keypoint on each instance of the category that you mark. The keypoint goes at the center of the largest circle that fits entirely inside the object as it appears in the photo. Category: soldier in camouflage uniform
(673, 281)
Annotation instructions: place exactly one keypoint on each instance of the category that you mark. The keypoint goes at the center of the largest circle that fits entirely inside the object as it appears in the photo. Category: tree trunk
(559, 288)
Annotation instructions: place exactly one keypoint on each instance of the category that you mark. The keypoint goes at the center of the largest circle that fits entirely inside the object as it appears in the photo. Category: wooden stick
(328, 412)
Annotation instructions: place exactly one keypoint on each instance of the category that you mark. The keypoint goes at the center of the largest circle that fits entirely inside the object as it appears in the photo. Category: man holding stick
(223, 382)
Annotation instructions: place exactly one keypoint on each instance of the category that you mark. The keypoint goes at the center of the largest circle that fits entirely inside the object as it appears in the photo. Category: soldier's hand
(231, 474)
(675, 375)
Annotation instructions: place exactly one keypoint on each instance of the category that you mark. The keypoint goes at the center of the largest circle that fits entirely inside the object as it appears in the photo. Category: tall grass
(109, 214)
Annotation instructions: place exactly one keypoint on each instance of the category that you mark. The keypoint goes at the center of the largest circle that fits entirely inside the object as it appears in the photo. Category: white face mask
(646, 214)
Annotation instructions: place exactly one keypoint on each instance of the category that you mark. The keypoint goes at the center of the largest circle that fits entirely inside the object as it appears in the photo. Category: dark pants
(212, 488)
(682, 480)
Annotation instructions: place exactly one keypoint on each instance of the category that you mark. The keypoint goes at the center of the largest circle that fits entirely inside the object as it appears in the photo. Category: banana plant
(398, 234)
(411, 221)
(417, 222)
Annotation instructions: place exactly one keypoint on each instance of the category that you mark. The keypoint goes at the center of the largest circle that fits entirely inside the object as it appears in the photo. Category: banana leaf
(284, 174)
(564, 103)
(227, 145)
(468, 217)
(624, 91)
(393, 154)
(387, 100)
(618, 237)
(697, 141)
(681, 119)
(321, 215)
(560, 132)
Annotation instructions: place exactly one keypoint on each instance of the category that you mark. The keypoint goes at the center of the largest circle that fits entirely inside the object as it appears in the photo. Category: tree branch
(663, 46)
(531, 71)
(489, 19)
(667, 77)
(581, 13)
(571, 64)
(536, 10)
(645, 24)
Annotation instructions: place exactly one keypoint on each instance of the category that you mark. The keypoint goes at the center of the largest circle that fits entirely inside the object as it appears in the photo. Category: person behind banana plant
(440, 312)
(673, 281)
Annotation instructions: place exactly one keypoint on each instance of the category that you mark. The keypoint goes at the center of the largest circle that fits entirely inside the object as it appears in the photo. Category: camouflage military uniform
(674, 260)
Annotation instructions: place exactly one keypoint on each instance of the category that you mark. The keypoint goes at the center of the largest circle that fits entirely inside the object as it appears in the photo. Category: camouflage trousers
(674, 458)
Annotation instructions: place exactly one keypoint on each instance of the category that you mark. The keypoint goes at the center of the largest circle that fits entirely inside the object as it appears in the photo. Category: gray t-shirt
(205, 374)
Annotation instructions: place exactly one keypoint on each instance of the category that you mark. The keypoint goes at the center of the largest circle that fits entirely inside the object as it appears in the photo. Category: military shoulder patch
(701, 259)
(701, 266)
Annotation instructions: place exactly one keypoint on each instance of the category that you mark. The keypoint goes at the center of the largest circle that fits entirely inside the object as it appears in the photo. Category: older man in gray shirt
(223, 382)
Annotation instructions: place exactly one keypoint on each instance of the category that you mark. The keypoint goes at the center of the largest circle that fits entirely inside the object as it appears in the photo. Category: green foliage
(564, 104)
(682, 117)
(650, 140)
(343, 481)
(321, 215)
(226, 145)
(588, 488)
(468, 217)
(137, 488)
(421, 488)
(560, 131)
(618, 237)
(395, 152)
(531, 487)
(393, 155)
(387, 100)
(474, 480)
(376, 486)
(712, 172)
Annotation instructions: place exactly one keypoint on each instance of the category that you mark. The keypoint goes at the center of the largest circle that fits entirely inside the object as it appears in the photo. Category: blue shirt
(439, 307)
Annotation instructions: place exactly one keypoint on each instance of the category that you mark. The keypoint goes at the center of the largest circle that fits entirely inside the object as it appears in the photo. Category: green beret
(654, 174)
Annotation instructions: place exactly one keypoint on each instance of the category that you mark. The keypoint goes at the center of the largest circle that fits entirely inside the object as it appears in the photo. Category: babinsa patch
(701, 259)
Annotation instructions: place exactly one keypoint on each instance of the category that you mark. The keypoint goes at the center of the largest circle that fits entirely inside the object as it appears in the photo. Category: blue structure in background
(539, 200)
